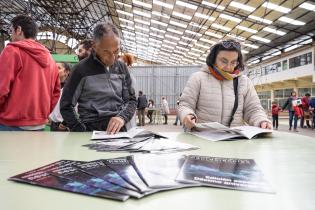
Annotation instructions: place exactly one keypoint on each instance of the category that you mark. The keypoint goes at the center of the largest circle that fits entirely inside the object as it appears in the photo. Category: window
(303, 91)
(300, 60)
(284, 65)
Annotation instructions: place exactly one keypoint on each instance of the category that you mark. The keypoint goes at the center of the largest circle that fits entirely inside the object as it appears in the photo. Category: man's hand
(266, 125)
(114, 125)
(189, 121)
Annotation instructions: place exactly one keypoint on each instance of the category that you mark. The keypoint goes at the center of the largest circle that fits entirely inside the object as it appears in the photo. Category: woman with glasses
(220, 93)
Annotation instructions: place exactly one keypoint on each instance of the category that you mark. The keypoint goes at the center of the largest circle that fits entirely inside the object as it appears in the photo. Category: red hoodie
(275, 109)
(29, 84)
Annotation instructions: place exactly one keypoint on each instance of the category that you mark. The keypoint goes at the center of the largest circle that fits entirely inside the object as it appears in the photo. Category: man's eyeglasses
(228, 44)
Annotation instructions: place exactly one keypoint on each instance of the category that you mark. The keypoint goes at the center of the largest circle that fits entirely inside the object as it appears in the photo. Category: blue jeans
(291, 117)
(10, 128)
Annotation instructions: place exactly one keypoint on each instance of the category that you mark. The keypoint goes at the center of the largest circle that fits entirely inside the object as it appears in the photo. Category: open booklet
(133, 132)
(215, 131)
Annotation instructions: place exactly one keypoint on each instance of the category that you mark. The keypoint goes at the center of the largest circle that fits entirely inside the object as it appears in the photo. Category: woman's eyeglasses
(227, 44)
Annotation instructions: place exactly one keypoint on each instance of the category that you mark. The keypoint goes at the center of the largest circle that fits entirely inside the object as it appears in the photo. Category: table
(286, 159)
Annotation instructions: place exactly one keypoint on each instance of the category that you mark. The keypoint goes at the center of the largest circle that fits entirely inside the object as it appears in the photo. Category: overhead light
(167, 46)
(123, 4)
(178, 14)
(125, 20)
(141, 39)
(202, 45)
(236, 37)
(213, 5)
(128, 27)
(138, 12)
(245, 29)
(169, 42)
(291, 21)
(213, 34)
(178, 24)
(207, 17)
(124, 13)
(251, 46)
(198, 26)
(160, 14)
(155, 45)
(308, 6)
(172, 37)
(141, 34)
(158, 22)
(224, 28)
(143, 4)
(141, 21)
(184, 4)
(155, 35)
(242, 6)
(179, 52)
(260, 39)
(158, 30)
(197, 50)
(193, 33)
(274, 31)
(141, 28)
(175, 31)
(127, 32)
(276, 7)
(260, 19)
(163, 4)
(155, 40)
(231, 18)
(245, 51)
(190, 39)
(187, 60)
(194, 54)
(207, 40)
(183, 43)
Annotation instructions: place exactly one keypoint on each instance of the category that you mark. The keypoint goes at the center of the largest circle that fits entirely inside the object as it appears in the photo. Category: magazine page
(41, 177)
(230, 173)
(74, 174)
(99, 169)
(159, 171)
(251, 131)
(98, 135)
(122, 166)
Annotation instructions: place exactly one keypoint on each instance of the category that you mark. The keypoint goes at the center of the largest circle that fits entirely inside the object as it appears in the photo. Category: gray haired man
(101, 85)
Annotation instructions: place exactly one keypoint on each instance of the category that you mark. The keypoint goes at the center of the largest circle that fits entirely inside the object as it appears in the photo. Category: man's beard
(81, 57)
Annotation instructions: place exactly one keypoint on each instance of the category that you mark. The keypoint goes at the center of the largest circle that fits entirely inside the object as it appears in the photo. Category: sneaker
(290, 129)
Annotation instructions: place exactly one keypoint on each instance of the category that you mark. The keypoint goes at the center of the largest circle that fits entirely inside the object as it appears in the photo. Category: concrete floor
(283, 126)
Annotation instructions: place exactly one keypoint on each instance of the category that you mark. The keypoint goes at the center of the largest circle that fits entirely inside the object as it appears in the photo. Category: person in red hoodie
(275, 115)
(29, 82)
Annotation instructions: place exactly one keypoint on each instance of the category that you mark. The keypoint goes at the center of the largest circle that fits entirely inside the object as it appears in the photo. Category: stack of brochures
(136, 140)
(138, 176)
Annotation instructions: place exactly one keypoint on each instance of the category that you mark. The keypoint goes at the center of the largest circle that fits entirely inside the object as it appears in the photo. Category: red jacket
(29, 84)
(275, 109)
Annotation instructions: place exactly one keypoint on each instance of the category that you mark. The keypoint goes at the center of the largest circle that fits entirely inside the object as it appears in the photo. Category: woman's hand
(189, 121)
(266, 125)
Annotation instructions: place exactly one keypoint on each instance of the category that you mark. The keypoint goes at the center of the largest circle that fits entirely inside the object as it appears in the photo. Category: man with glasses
(101, 85)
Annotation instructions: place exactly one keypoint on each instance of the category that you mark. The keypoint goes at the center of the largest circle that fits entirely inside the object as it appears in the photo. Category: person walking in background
(165, 109)
(64, 71)
(293, 110)
(275, 115)
(177, 116)
(29, 83)
(306, 112)
(312, 111)
(142, 104)
(150, 110)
